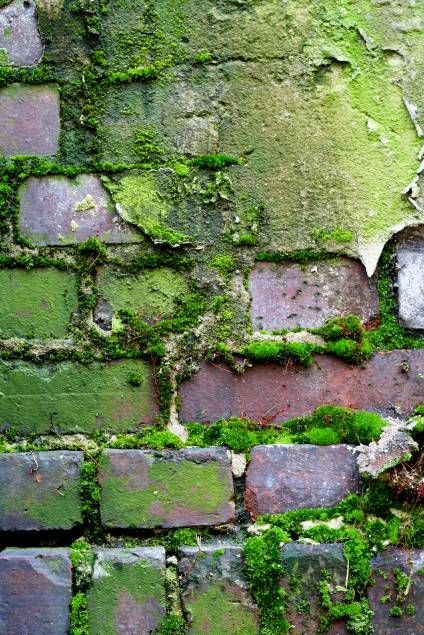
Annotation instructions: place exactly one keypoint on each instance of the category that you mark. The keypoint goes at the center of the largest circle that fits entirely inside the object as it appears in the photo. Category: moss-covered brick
(166, 489)
(40, 490)
(37, 303)
(214, 591)
(127, 594)
(151, 294)
(71, 397)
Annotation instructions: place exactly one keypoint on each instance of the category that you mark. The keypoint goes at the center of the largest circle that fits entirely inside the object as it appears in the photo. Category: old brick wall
(212, 317)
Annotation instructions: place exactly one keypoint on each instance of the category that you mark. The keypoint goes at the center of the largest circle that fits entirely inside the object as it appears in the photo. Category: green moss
(263, 568)
(223, 263)
(172, 625)
(322, 436)
(269, 350)
(240, 435)
(79, 615)
(349, 327)
(215, 161)
(349, 426)
(89, 492)
(139, 202)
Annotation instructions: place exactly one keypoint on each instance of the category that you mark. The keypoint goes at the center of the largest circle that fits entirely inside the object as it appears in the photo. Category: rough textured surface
(20, 43)
(127, 596)
(35, 591)
(36, 304)
(303, 566)
(150, 294)
(393, 447)
(284, 477)
(411, 287)
(40, 490)
(280, 393)
(214, 591)
(56, 210)
(384, 594)
(29, 120)
(71, 397)
(289, 295)
(166, 489)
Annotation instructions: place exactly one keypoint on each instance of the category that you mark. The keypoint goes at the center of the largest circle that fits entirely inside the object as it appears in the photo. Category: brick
(215, 595)
(278, 393)
(29, 120)
(303, 566)
(382, 595)
(20, 43)
(37, 303)
(35, 591)
(127, 595)
(40, 490)
(56, 210)
(151, 294)
(73, 397)
(284, 477)
(143, 489)
(285, 296)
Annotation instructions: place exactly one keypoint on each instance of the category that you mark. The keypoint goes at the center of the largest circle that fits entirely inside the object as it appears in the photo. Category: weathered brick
(151, 294)
(384, 594)
(166, 489)
(285, 296)
(35, 591)
(40, 490)
(276, 393)
(56, 210)
(214, 592)
(29, 120)
(127, 595)
(72, 397)
(284, 477)
(303, 566)
(20, 43)
(37, 303)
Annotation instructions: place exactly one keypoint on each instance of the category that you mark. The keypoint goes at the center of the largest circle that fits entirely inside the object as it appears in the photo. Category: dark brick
(19, 38)
(284, 477)
(285, 296)
(303, 565)
(277, 393)
(39, 490)
(127, 596)
(56, 210)
(35, 591)
(382, 595)
(214, 592)
(166, 489)
(29, 120)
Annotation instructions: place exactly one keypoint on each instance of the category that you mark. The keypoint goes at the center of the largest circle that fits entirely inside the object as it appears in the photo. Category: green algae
(139, 202)
(71, 397)
(36, 303)
(170, 485)
(217, 610)
(151, 294)
(139, 583)
(48, 507)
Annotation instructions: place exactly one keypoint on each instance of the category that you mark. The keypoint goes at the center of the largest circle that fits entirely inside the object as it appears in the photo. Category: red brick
(290, 295)
(274, 393)
(35, 591)
(284, 477)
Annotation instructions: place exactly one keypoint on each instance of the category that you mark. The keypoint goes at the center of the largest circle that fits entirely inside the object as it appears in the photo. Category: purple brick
(284, 477)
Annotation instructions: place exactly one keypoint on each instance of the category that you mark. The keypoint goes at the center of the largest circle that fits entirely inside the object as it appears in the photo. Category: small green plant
(215, 161)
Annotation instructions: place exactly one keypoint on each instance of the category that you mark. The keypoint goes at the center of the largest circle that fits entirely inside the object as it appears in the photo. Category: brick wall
(212, 317)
